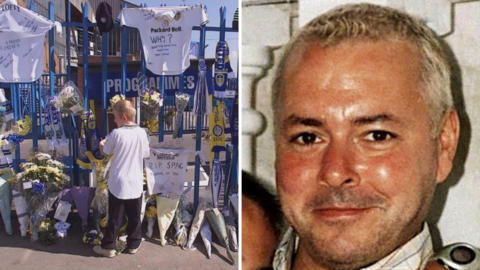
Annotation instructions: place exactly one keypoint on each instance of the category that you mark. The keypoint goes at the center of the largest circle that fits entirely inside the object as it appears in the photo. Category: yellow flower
(103, 222)
(53, 170)
(151, 211)
(12, 180)
(24, 126)
(152, 125)
(102, 185)
(116, 98)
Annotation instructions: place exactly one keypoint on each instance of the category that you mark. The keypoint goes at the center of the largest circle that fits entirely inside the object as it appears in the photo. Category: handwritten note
(22, 34)
(169, 171)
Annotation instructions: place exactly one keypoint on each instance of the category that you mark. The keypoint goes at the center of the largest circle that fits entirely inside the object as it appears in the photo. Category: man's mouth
(340, 213)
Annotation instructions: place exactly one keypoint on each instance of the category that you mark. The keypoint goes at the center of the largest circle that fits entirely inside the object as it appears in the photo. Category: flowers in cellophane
(40, 181)
(69, 99)
(168, 117)
(46, 231)
(2, 116)
(150, 103)
(114, 100)
(181, 102)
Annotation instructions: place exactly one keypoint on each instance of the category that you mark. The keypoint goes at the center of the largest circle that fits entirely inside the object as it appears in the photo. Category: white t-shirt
(129, 146)
(165, 34)
(22, 35)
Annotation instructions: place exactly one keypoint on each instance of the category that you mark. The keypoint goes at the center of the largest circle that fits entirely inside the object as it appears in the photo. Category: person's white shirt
(166, 34)
(129, 146)
(22, 36)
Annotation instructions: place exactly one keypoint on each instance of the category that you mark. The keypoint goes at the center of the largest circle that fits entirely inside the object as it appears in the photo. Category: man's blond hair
(125, 107)
(368, 22)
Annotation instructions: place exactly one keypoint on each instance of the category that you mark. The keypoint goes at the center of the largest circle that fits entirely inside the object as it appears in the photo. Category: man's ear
(449, 132)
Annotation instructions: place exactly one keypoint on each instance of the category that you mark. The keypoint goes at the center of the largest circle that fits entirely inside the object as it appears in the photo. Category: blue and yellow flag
(217, 129)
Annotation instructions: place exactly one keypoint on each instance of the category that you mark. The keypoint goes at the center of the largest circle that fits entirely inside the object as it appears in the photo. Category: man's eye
(305, 139)
(379, 136)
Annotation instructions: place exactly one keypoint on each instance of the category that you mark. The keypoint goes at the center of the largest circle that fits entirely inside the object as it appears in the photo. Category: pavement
(72, 253)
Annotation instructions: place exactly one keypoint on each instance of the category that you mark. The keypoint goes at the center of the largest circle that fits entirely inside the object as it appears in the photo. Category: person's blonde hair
(125, 107)
(368, 22)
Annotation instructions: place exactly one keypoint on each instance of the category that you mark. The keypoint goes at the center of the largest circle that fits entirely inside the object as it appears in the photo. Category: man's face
(258, 237)
(356, 161)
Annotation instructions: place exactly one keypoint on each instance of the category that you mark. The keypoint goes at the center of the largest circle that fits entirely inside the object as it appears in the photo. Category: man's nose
(338, 166)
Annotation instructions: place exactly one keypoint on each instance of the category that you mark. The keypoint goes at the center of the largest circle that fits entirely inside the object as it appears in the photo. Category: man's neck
(303, 261)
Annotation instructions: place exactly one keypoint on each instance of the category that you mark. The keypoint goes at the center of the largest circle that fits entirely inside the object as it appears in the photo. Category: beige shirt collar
(413, 255)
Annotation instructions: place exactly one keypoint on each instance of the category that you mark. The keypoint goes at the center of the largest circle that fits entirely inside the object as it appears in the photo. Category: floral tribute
(150, 103)
(23, 126)
(114, 100)
(181, 102)
(40, 181)
(70, 100)
(2, 116)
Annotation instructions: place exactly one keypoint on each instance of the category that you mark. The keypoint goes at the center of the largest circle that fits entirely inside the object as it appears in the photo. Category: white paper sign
(27, 185)
(169, 171)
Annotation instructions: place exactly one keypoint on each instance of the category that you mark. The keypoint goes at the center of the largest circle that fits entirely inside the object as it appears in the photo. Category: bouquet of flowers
(183, 218)
(24, 126)
(151, 214)
(40, 181)
(69, 99)
(14, 140)
(2, 116)
(181, 102)
(114, 100)
(46, 231)
(99, 204)
(150, 103)
(168, 117)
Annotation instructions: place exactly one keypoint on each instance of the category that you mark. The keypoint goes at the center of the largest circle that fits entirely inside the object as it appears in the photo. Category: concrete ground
(72, 253)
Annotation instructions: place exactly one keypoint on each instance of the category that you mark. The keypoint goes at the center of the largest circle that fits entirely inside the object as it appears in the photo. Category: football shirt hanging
(22, 35)
(166, 34)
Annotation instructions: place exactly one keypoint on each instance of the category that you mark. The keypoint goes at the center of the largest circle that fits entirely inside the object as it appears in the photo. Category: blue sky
(213, 9)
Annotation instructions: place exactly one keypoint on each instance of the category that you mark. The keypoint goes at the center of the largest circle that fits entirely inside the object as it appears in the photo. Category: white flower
(43, 156)
(26, 165)
(56, 164)
(66, 177)
(68, 90)
(116, 99)
(155, 96)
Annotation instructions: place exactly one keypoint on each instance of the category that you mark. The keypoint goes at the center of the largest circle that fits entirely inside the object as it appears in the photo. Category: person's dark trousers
(117, 208)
